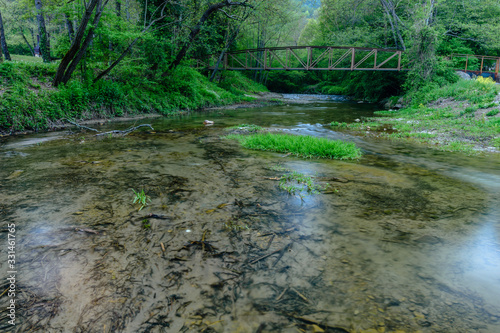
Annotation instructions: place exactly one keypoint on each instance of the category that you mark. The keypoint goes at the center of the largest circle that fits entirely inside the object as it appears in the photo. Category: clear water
(404, 240)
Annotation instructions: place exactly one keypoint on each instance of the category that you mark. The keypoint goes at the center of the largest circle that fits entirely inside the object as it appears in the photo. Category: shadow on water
(404, 240)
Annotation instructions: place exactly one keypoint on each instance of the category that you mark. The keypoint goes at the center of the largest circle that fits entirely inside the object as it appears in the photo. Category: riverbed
(406, 239)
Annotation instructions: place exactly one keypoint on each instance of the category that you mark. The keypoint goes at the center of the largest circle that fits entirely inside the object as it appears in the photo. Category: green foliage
(29, 101)
(289, 82)
(459, 146)
(492, 113)
(304, 182)
(145, 224)
(141, 199)
(249, 128)
(474, 91)
(238, 84)
(305, 146)
(234, 226)
(496, 142)
(337, 124)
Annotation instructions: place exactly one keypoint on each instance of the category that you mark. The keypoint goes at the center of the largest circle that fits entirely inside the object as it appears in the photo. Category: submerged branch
(127, 131)
(124, 132)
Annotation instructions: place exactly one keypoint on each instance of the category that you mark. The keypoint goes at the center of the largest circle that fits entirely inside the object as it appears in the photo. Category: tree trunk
(27, 43)
(3, 41)
(79, 46)
(117, 61)
(390, 10)
(118, 7)
(69, 26)
(127, 50)
(228, 44)
(197, 28)
(42, 31)
(33, 37)
(127, 11)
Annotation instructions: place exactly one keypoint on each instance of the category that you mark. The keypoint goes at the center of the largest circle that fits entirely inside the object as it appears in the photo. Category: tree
(394, 20)
(131, 45)
(197, 28)
(80, 44)
(3, 42)
(42, 32)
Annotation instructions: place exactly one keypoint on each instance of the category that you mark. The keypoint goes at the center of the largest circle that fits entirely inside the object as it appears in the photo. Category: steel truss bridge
(309, 58)
(337, 58)
(480, 65)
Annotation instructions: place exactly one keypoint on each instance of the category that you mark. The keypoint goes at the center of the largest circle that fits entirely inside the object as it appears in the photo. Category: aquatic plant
(278, 168)
(337, 124)
(232, 226)
(300, 145)
(245, 127)
(146, 224)
(141, 198)
(296, 183)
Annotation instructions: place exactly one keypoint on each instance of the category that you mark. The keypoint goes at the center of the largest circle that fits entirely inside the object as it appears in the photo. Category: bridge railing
(480, 65)
(311, 58)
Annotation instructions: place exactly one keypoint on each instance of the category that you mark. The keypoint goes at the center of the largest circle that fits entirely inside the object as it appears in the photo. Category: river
(404, 240)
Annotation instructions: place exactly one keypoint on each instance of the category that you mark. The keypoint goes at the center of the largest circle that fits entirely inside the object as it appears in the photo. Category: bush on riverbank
(300, 145)
(29, 102)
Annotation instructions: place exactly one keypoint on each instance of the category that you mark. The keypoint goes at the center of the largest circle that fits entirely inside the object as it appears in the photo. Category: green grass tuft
(305, 146)
(492, 113)
(337, 124)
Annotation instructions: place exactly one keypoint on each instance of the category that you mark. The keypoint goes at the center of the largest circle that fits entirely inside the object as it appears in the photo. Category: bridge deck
(337, 58)
(311, 58)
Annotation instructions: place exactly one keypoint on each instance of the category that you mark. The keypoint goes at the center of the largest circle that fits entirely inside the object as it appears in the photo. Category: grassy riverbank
(29, 102)
(463, 116)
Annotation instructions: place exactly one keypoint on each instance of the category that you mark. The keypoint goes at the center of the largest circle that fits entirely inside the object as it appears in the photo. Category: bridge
(479, 65)
(309, 58)
(337, 58)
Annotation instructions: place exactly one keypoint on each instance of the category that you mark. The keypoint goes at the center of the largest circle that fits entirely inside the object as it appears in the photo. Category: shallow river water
(404, 240)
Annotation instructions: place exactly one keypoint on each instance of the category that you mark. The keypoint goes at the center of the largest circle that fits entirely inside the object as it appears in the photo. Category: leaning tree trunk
(3, 42)
(27, 43)
(80, 44)
(42, 31)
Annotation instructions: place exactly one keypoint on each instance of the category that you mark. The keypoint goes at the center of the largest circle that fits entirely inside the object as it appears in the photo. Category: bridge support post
(497, 69)
(265, 58)
(353, 58)
(309, 58)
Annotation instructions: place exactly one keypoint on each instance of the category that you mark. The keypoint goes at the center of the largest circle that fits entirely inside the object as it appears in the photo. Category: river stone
(463, 75)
